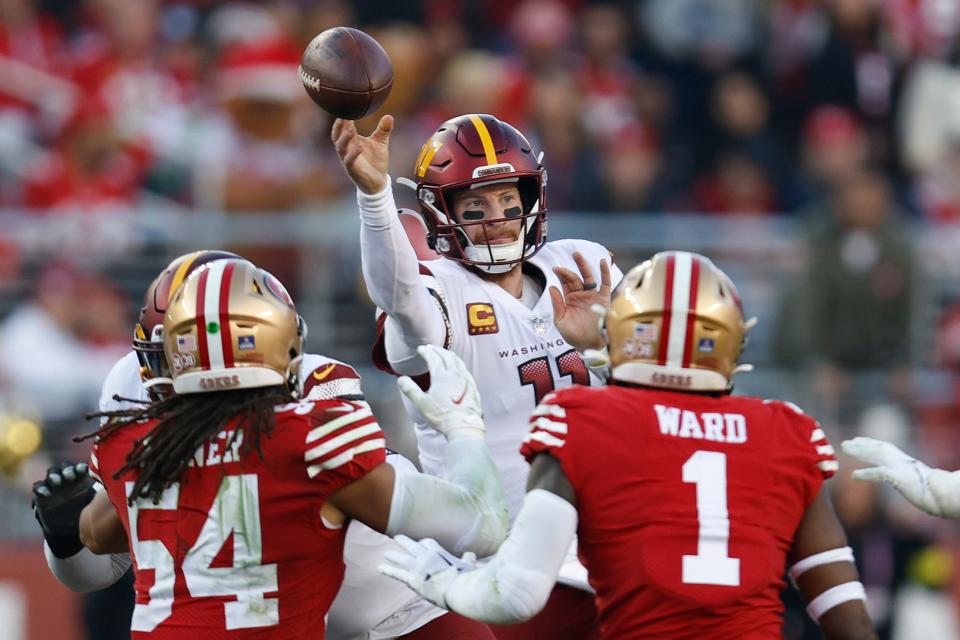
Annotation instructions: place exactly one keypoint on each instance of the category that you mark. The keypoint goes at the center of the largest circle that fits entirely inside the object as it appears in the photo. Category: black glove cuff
(63, 546)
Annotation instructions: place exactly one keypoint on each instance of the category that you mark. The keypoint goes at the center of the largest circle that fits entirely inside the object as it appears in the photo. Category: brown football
(346, 72)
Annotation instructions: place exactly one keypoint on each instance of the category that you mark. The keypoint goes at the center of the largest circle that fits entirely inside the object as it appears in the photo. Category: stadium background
(810, 147)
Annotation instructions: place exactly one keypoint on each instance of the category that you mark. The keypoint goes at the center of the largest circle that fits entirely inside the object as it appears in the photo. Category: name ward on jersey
(717, 427)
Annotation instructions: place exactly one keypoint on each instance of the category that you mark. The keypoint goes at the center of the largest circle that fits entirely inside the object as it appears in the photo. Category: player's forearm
(87, 571)
(515, 585)
(391, 269)
(463, 512)
(945, 489)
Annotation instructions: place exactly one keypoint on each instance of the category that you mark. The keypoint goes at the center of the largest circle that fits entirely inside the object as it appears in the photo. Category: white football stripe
(346, 456)
(553, 410)
(211, 312)
(550, 425)
(817, 434)
(825, 450)
(336, 423)
(333, 444)
(828, 465)
(545, 438)
(682, 265)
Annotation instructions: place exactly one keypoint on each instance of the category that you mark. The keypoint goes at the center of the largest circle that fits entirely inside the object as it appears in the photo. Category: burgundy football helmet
(477, 150)
(148, 332)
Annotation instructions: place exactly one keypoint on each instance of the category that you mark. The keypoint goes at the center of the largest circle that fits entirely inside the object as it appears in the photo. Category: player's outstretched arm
(390, 266)
(822, 568)
(933, 490)
(465, 511)
(516, 583)
(58, 500)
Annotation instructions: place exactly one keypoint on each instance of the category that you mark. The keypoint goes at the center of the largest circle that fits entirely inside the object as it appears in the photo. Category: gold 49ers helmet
(676, 321)
(232, 326)
(148, 332)
(473, 151)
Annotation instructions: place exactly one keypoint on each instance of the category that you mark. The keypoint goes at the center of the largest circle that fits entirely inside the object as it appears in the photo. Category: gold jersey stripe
(181, 274)
(485, 139)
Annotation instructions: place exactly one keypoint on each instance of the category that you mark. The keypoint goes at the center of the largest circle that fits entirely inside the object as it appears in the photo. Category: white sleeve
(616, 275)
(515, 584)
(463, 512)
(87, 571)
(392, 272)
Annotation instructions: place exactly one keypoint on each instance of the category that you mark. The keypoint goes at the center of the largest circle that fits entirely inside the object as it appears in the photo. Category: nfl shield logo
(706, 345)
(539, 325)
(246, 343)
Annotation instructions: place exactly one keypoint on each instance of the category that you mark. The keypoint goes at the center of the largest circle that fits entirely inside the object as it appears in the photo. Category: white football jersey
(516, 355)
(369, 605)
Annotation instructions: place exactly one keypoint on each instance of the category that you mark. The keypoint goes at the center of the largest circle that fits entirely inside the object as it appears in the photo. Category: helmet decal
(278, 290)
(488, 151)
(429, 150)
(679, 309)
(215, 343)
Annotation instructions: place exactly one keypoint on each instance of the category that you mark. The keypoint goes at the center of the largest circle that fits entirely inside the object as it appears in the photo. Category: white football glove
(933, 490)
(452, 403)
(426, 567)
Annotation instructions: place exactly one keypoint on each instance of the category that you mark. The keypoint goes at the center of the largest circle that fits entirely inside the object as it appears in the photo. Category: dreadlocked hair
(185, 423)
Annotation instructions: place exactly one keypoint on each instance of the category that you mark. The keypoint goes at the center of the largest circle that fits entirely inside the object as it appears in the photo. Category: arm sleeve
(332, 381)
(392, 272)
(463, 512)
(87, 571)
(515, 584)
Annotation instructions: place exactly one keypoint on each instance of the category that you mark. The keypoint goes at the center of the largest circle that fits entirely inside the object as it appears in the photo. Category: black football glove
(58, 500)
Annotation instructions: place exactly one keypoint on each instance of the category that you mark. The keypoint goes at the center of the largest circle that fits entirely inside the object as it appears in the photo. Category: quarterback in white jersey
(369, 606)
(493, 297)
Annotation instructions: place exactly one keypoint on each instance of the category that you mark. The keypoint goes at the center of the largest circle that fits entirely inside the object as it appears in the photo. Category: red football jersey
(237, 548)
(688, 504)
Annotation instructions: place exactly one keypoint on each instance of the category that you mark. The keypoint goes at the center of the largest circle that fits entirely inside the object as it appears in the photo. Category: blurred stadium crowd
(819, 140)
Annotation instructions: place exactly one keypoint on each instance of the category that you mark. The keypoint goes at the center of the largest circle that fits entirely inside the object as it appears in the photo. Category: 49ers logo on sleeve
(481, 319)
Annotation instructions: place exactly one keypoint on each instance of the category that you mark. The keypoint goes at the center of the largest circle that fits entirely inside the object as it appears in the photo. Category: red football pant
(451, 626)
(570, 614)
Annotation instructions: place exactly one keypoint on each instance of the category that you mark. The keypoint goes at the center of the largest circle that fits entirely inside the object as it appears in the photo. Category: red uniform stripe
(691, 310)
(202, 320)
(225, 337)
(667, 312)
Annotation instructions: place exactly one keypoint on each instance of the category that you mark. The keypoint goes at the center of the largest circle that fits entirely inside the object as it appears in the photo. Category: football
(346, 72)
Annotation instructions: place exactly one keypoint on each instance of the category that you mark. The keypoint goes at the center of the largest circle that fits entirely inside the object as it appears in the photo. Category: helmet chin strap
(501, 253)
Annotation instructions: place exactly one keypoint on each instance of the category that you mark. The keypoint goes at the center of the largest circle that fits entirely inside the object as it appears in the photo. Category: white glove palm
(426, 567)
(933, 490)
(452, 403)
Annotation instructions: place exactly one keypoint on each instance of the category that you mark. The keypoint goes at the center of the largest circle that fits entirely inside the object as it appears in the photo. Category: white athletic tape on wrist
(840, 554)
(834, 596)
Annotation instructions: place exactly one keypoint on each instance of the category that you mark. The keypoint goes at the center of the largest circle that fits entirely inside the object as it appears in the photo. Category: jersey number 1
(712, 564)
(247, 579)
